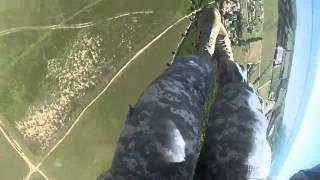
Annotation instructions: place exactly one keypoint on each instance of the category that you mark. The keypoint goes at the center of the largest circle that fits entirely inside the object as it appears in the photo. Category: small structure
(278, 56)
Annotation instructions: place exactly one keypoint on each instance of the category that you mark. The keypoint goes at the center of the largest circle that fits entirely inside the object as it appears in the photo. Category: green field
(23, 70)
(28, 41)
(36, 176)
(11, 165)
(91, 144)
(34, 34)
(269, 39)
(268, 32)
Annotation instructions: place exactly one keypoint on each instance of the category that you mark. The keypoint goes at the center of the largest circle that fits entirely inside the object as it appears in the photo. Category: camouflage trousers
(160, 139)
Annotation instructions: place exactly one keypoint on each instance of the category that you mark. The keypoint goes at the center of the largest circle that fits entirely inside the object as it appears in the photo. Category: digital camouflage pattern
(235, 145)
(160, 139)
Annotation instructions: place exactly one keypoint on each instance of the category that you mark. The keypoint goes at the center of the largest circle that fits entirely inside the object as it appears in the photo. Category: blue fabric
(160, 139)
(313, 173)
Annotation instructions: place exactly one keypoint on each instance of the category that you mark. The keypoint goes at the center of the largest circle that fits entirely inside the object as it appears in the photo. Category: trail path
(110, 82)
(12, 142)
(68, 26)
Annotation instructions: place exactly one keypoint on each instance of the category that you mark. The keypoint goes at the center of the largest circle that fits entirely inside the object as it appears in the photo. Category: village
(239, 20)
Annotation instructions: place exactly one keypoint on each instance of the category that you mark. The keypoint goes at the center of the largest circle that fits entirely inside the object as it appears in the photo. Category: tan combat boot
(223, 50)
(209, 25)
(229, 71)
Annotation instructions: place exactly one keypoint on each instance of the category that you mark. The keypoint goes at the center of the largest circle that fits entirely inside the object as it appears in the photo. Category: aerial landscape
(70, 70)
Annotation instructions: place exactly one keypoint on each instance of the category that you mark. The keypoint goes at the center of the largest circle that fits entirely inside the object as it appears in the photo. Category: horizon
(303, 83)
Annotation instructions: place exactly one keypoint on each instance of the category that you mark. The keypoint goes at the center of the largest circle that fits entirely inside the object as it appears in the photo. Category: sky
(302, 112)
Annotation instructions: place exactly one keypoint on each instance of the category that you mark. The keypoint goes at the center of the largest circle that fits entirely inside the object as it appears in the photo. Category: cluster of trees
(255, 14)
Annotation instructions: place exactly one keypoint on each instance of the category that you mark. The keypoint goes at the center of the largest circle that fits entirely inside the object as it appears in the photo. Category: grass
(23, 68)
(37, 176)
(189, 43)
(11, 165)
(239, 53)
(275, 81)
(22, 78)
(264, 91)
(211, 96)
(91, 144)
(269, 38)
(25, 146)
